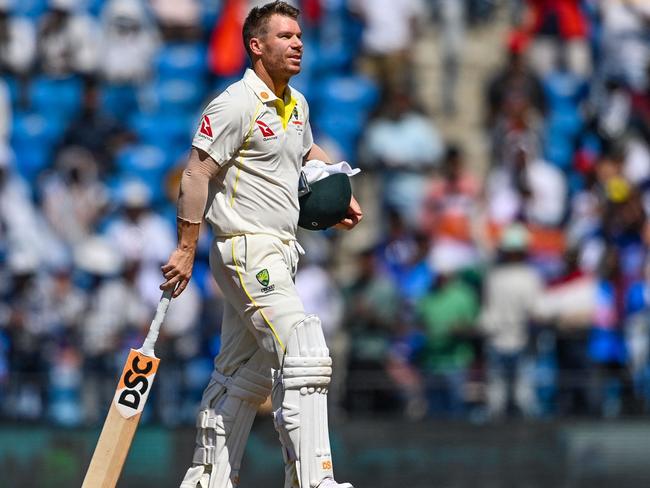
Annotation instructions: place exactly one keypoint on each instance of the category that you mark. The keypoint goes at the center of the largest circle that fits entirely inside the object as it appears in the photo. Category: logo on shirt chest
(266, 131)
(296, 122)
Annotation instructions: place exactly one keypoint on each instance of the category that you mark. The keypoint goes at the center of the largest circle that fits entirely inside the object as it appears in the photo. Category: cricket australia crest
(264, 278)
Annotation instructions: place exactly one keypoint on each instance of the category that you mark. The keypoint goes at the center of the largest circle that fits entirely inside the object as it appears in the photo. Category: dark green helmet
(326, 203)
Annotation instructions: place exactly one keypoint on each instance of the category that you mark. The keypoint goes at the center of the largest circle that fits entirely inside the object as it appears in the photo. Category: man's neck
(277, 86)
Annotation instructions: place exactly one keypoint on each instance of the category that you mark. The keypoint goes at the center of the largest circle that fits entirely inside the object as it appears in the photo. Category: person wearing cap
(243, 177)
(512, 291)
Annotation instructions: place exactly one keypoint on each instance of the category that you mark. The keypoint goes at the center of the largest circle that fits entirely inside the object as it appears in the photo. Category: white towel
(316, 170)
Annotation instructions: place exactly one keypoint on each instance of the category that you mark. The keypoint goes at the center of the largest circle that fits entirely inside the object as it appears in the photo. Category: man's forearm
(188, 234)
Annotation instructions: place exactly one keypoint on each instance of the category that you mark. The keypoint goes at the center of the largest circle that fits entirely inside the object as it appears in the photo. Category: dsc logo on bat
(135, 383)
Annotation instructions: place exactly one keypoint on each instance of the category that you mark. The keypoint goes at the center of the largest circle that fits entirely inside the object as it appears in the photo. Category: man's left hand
(352, 217)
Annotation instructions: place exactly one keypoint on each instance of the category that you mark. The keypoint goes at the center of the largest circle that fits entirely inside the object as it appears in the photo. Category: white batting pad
(224, 422)
(300, 406)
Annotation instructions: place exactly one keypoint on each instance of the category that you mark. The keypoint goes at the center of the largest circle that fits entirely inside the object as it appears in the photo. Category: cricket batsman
(242, 177)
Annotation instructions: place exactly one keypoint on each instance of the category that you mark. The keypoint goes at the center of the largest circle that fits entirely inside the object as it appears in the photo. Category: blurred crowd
(516, 289)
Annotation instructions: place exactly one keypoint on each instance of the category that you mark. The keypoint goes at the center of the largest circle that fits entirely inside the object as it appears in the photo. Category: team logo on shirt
(267, 132)
(206, 128)
(296, 122)
(264, 278)
(294, 115)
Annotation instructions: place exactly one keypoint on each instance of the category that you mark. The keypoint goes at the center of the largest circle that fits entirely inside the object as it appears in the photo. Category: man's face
(282, 46)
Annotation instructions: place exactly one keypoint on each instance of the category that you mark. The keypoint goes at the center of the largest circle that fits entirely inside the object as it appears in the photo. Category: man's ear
(256, 46)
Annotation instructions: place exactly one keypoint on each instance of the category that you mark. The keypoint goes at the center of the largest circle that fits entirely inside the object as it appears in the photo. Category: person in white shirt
(17, 42)
(390, 28)
(244, 169)
(67, 41)
(129, 42)
(527, 188)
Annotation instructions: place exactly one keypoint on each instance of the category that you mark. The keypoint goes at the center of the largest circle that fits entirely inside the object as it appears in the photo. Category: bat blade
(122, 420)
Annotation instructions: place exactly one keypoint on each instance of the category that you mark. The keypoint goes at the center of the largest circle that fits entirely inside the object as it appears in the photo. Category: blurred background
(488, 320)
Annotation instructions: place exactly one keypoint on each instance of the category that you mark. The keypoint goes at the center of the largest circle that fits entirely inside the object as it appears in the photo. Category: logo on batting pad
(264, 278)
(135, 383)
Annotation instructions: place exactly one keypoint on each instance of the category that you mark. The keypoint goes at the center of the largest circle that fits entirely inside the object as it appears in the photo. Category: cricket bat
(127, 405)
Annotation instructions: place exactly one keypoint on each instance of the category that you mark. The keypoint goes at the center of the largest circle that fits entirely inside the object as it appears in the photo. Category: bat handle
(154, 329)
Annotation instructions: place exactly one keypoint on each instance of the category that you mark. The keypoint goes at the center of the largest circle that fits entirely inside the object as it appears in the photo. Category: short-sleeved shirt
(259, 141)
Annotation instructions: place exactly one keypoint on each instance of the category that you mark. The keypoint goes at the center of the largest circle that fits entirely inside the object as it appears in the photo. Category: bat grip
(154, 329)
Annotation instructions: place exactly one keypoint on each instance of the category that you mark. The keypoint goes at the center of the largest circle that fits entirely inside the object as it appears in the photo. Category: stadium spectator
(95, 130)
(515, 77)
(108, 329)
(624, 41)
(402, 143)
(67, 41)
(452, 13)
(372, 310)
(5, 112)
(448, 313)
(528, 189)
(451, 206)
(26, 324)
(141, 235)
(568, 305)
(129, 40)
(558, 27)
(23, 229)
(179, 20)
(403, 257)
(390, 29)
(17, 42)
(73, 198)
(610, 381)
(512, 290)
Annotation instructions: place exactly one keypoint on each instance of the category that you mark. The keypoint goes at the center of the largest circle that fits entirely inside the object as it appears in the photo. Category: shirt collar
(262, 91)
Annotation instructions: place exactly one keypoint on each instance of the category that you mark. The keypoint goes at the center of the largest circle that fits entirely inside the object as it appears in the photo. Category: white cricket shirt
(259, 141)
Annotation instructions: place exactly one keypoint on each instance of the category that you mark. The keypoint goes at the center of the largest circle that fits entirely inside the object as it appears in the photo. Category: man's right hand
(178, 271)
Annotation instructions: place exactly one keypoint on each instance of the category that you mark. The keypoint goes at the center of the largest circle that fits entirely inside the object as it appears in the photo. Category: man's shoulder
(236, 96)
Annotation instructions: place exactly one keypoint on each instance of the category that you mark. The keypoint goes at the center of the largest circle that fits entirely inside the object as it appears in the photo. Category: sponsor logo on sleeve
(206, 128)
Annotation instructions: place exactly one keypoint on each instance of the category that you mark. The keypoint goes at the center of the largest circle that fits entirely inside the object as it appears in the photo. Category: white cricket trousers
(255, 273)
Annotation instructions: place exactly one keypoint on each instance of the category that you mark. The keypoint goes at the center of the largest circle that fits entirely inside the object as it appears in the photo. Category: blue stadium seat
(343, 127)
(175, 95)
(140, 159)
(29, 8)
(162, 130)
(33, 138)
(13, 88)
(147, 163)
(36, 127)
(54, 96)
(121, 101)
(181, 60)
(352, 93)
